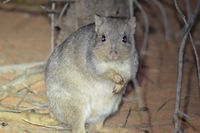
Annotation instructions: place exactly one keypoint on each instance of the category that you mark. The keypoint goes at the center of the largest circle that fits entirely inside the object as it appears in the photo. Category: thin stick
(196, 57)
(71, 1)
(24, 76)
(19, 67)
(26, 109)
(63, 11)
(162, 105)
(180, 75)
(28, 90)
(53, 24)
(188, 26)
(180, 70)
(28, 87)
(41, 107)
(6, 1)
(183, 115)
(179, 84)
(165, 20)
(47, 126)
(10, 88)
(146, 22)
(127, 116)
(21, 100)
(188, 8)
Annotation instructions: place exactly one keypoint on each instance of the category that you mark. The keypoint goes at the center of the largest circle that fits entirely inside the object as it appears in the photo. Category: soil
(25, 38)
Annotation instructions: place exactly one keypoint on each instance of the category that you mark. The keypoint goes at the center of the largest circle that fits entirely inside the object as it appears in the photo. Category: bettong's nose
(113, 55)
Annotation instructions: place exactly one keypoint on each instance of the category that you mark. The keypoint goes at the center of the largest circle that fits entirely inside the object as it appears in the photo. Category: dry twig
(188, 8)
(64, 9)
(180, 67)
(53, 25)
(19, 67)
(29, 76)
(48, 126)
(165, 20)
(146, 32)
(21, 116)
(127, 116)
(6, 1)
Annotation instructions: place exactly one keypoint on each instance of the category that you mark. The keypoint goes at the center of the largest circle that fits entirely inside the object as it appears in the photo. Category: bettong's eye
(124, 39)
(103, 38)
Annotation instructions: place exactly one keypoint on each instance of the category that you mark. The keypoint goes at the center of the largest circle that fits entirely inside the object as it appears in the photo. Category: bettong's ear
(132, 23)
(98, 20)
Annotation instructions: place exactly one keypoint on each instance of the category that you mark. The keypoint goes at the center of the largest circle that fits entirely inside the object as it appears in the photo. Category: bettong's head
(113, 38)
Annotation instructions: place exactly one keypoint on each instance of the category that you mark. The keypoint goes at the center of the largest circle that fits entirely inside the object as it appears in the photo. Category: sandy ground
(25, 38)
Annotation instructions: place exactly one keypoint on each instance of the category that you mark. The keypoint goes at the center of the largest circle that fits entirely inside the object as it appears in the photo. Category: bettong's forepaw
(118, 89)
(119, 86)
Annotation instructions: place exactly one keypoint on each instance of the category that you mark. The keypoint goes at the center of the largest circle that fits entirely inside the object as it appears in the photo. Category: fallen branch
(53, 24)
(64, 9)
(22, 99)
(146, 22)
(6, 1)
(41, 119)
(180, 67)
(188, 8)
(127, 116)
(47, 126)
(164, 15)
(32, 74)
(20, 67)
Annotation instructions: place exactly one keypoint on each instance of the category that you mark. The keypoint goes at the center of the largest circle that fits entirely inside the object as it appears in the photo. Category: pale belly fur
(102, 103)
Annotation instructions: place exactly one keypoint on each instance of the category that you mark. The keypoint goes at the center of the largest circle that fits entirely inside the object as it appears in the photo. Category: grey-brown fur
(85, 76)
